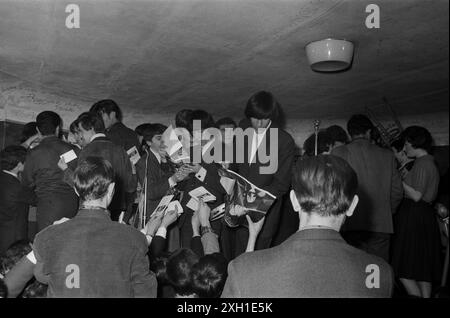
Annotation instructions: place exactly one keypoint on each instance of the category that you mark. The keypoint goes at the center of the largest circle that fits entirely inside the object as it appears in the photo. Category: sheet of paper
(175, 205)
(171, 141)
(192, 204)
(201, 174)
(133, 154)
(203, 194)
(69, 156)
(162, 206)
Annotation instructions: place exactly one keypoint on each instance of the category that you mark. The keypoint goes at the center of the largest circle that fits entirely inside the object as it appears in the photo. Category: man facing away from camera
(380, 189)
(315, 261)
(91, 255)
(55, 198)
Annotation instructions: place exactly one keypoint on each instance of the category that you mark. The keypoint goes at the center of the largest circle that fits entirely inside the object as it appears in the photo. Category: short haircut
(13, 255)
(141, 128)
(183, 119)
(3, 289)
(152, 130)
(179, 268)
(358, 125)
(419, 138)
(263, 105)
(74, 127)
(47, 122)
(29, 130)
(209, 275)
(92, 177)
(399, 143)
(205, 118)
(323, 143)
(324, 185)
(226, 121)
(11, 156)
(337, 134)
(91, 120)
(107, 106)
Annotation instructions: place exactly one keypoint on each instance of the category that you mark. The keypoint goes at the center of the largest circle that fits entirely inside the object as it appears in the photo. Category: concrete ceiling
(162, 56)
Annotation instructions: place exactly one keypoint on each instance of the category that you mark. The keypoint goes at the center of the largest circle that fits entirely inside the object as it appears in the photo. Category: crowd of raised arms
(350, 218)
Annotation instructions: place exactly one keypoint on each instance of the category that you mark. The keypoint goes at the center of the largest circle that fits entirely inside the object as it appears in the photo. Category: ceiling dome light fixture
(330, 55)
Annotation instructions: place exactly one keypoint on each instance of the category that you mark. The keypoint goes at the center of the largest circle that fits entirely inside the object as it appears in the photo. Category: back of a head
(359, 125)
(47, 122)
(73, 128)
(183, 119)
(324, 185)
(92, 178)
(226, 121)
(29, 130)
(107, 106)
(13, 255)
(399, 143)
(323, 143)
(91, 120)
(419, 138)
(141, 128)
(209, 276)
(179, 267)
(263, 105)
(204, 117)
(11, 156)
(151, 130)
(337, 134)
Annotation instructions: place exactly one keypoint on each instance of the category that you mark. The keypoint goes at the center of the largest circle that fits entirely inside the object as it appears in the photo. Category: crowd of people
(366, 213)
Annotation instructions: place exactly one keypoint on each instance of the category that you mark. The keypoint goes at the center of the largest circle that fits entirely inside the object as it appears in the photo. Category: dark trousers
(372, 242)
(51, 208)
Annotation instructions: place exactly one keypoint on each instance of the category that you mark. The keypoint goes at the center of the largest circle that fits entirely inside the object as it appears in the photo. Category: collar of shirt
(258, 137)
(11, 173)
(97, 136)
(157, 155)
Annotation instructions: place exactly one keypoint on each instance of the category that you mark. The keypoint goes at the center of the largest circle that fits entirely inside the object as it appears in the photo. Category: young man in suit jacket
(380, 189)
(90, 255)
(315, 261)
(14, 198)
(55, 198)
(95, 143)
(268, 141)
(115, 130)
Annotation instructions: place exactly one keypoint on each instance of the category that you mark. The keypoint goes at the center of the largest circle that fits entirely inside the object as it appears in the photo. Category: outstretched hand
(254, 227)
(62, 164)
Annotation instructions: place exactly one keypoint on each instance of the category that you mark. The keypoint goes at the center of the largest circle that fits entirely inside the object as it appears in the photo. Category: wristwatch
(205, 229)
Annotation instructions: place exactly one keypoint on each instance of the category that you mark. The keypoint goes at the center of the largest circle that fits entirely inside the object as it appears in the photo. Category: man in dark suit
(89, 255)
(14, 198)
(380, 189)
(315, 261)
(95, 143)
(115, 130)
(55, 198)
(267, 141)
(157, 175)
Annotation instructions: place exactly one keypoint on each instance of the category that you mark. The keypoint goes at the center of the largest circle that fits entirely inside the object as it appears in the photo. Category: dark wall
(10, 134)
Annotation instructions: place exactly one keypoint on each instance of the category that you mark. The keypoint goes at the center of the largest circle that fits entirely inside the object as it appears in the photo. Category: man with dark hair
(380, 189)
(89, 255)
(183, 119)
(178, 271)
(157, 175)
(323, 144)
(55, 198)
(116, 131)
(14, 198)
(30, 136)
(315, 261)
(337, 135)
(262, 114)
(209, 276)
(95, 143)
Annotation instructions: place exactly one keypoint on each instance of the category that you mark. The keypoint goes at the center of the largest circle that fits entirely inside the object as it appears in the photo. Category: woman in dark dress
(416, 244)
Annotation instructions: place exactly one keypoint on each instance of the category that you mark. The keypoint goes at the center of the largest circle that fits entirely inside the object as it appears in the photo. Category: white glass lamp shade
(330, 55)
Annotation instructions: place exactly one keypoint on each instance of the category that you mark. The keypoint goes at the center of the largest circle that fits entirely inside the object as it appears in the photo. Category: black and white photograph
(329, 118)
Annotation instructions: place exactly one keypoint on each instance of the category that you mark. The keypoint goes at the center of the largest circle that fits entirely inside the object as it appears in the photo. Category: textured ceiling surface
(162, 56)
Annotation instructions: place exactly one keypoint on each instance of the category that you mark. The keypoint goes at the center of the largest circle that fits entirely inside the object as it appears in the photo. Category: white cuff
(32, 258)
(162, 231)
(172, 183)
